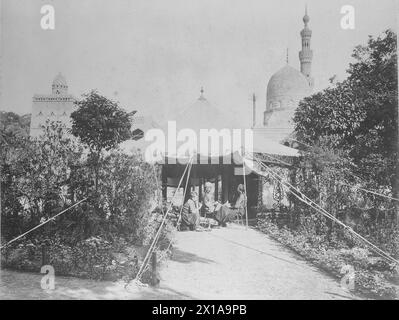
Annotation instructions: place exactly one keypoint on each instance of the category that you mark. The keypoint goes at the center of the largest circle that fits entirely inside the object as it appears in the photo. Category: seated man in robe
(190, 213)
(229, 212)
(209, 205)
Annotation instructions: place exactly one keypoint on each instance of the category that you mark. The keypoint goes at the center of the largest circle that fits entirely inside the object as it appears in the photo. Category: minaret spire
(287, 56)
(253, 110)
(306, 54)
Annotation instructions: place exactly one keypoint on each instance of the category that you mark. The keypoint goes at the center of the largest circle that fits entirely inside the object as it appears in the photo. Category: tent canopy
(203, 129)
(185, 149)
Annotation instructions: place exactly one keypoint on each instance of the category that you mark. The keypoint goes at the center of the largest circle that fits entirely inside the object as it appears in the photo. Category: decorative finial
(202, 93)
(306, 18)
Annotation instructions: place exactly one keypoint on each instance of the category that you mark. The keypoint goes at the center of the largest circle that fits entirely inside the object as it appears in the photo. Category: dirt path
(234, 263)
(228, 263)
(24, 286)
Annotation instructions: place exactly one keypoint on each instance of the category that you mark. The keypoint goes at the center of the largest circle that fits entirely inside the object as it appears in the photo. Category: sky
(153, 56)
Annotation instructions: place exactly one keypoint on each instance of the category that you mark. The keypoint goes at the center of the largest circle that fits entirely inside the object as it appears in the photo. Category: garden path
(240, 263)
(227, 263)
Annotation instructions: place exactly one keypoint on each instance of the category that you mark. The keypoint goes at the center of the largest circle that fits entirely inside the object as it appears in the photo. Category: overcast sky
(154, 55)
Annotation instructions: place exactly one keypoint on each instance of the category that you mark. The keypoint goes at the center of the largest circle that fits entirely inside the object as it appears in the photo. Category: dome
(59, 80)
(287, 84)
(59, 84)
(306, 18)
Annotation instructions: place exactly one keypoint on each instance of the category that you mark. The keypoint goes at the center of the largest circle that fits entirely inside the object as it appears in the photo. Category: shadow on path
(187, 257)
(257, 250)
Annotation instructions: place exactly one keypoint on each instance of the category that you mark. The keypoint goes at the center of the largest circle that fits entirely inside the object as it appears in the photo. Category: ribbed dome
(59, 85)
(59, 80)
(287, 84)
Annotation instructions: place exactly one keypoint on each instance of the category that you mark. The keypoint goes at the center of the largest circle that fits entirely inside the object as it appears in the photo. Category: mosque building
(56, 106)
(286, 88)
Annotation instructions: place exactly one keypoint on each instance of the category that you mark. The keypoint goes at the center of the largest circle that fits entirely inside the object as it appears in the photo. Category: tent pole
(246, 198)
(164, 178)
(216, 196)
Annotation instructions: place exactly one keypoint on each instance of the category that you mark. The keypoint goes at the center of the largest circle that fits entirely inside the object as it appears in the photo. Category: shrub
(98, 238)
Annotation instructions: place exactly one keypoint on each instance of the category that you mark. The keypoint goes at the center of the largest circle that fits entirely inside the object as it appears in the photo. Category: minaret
(306, 54)
(253, 111)
(287, 57)
(59, 85)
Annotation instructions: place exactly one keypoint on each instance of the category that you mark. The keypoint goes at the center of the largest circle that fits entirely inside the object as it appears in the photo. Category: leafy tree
(13, 124)
(35, 178)
(14, 132)
(42, 177)
(360, 115)
(127, 194)
(100, 124)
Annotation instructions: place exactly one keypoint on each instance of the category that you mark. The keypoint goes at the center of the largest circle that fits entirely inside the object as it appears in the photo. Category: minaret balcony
(306, 33)
(306, 53)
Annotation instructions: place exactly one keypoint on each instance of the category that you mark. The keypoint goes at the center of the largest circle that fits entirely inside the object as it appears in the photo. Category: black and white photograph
(218, 150)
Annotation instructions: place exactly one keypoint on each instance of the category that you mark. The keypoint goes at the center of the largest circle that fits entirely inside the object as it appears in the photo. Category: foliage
(350, 133)
(35, 176)
(352, 129)
(359, 114)
(373, 276)
(100, 123)
(124, 202)
(12, 124)
(96, 239)
(130, 197)
(93, 258)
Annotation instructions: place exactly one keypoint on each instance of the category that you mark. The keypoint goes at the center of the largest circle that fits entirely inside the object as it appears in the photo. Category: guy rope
(184, 196)
(41, 224)
(246, 197)
(302, 197)
(342, 183)
(369, 191)
(181, 209)
(156, 237)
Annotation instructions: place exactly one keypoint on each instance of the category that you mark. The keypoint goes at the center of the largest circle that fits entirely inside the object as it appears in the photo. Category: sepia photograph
(208, 150)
